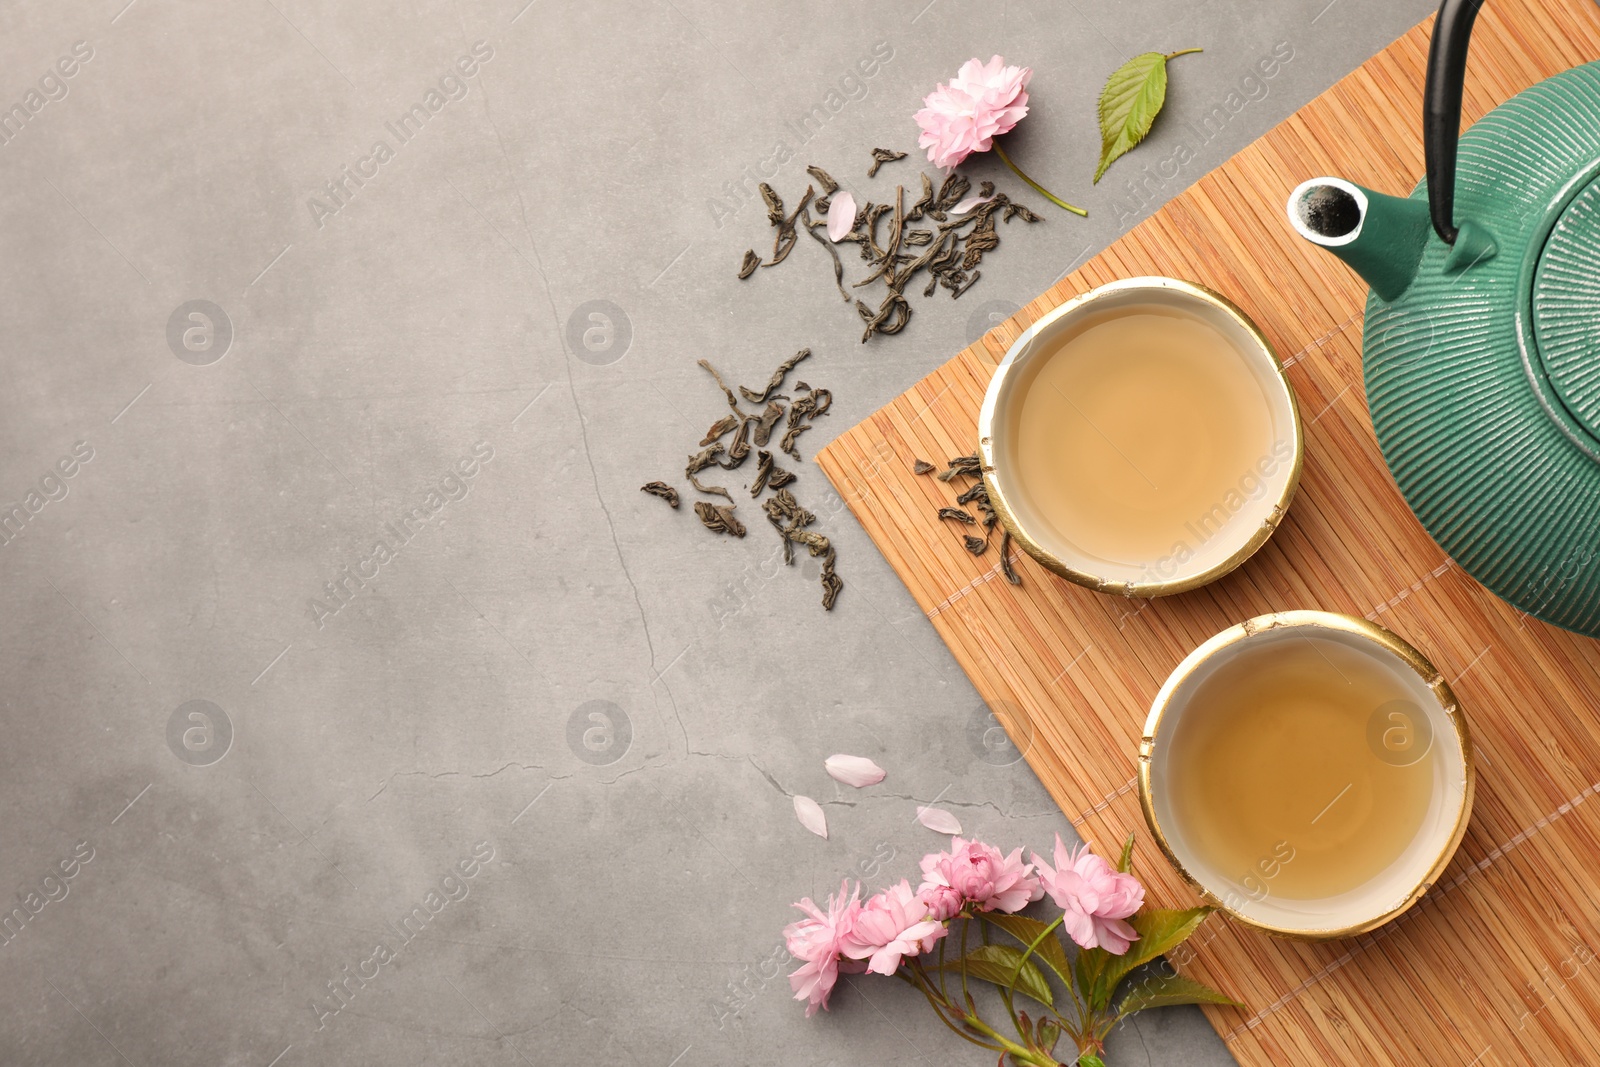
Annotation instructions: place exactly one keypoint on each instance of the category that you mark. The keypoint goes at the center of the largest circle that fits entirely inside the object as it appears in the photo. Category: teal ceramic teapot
(1481, 345)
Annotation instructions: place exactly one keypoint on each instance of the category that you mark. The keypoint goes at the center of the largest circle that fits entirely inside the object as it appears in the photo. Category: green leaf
(1028, 931)
(1125, 864)
(997, 963)
(1129, 104)
(1165, 990)
(1089, 1059)
(1160, 931)
(1088, 968)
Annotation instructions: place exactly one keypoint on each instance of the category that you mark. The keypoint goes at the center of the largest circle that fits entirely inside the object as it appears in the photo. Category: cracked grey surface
(553, 668)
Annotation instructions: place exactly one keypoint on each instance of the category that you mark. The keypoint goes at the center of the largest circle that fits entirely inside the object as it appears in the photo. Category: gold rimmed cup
(1236, 511)
(1428, 725)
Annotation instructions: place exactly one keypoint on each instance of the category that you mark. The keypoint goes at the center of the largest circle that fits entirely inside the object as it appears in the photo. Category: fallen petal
(936, 819)
(809, 812)
(969, 203)
(841, 215)
(854, 770)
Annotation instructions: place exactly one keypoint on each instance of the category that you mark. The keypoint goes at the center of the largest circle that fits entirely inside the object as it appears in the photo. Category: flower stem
(1041, 190)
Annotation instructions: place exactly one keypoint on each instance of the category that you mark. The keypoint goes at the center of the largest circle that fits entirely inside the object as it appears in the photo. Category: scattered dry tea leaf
(769, 474)
(750, 263)
(699, 462)
(832, 584)
(789, 437)
(733, 401)
(720, 428)
(769, 419)
(823, 401)
(922, 466)
(662, 490)
(975, 545)
(777, 378)
(958, 514)
(718, 518)
(1005, 560)
(880, 156)
(961, 465)
(824, 179)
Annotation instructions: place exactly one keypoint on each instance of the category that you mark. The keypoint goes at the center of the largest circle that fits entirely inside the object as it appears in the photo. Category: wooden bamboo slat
(1498, 964)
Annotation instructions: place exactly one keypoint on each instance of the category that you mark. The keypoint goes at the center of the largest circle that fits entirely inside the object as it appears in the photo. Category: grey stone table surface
(240, 343)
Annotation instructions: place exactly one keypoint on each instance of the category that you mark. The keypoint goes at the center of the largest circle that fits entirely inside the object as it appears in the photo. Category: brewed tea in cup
(1309, 772)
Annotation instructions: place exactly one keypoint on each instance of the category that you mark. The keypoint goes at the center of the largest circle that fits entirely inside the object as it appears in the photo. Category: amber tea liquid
(1302, 768)
(1143, 430)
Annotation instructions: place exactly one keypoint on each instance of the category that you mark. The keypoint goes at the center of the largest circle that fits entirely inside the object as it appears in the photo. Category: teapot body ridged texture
(1494, 444)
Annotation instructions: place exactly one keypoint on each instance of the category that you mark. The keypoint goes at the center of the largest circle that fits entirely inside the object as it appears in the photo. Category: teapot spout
(1380, 237)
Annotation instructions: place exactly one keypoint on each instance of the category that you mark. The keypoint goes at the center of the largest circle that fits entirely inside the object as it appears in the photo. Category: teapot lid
(1566, 308)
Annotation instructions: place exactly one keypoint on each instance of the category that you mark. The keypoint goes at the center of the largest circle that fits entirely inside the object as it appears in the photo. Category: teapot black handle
(1441, 109)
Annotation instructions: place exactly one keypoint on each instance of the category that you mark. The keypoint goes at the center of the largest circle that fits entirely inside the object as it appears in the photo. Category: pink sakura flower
(1095, 898)
(975, 873)
(983, 101)
(816, 939)
(893, 924)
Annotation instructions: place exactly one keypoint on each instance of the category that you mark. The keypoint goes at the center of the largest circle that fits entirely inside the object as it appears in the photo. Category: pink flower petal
(938, 820)
(854, 770)
(969, 203)
(809, 812)
(841, 215)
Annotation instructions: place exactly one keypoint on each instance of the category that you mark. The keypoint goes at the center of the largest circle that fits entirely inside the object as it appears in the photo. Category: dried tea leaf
(880, 156)
(975, 545)
(733, 401)
(977, 491)
(951, 190)
(740, 447)
(720, 428)
(777, 378)
(769, 474)
(958, 514)
(1005, 560)
(823, 400)
(824, 179)
(922, 466)
(885, 319)
(662, 490)
(962, 465)
(833, 253)
(786, 237)
(924, 203)
(718, 518)
(832, 584)
(699, 462)
(790, 436)
(750, 263)
(769, 419)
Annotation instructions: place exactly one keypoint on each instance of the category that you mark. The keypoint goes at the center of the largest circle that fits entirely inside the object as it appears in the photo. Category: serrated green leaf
(997, 963)
(1160, 931)
(1028, 931)
(1165, 990)
(1129, 104)
(1125, 864)
(1089, 1059)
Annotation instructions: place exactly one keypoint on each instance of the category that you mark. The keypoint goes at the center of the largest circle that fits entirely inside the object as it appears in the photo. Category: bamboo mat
(1498, 964)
